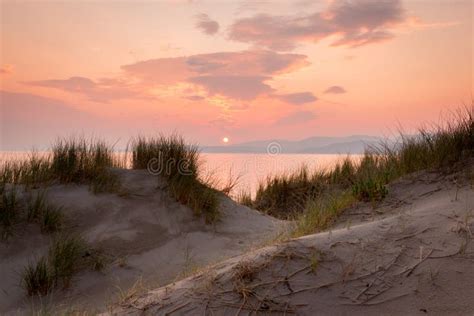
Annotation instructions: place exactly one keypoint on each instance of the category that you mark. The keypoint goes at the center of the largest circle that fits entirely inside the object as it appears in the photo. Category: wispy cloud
(297, 98)
(354, 23)
(103, 90)
(237, 75)
(335, 90)
(206, 24)
(235, 87)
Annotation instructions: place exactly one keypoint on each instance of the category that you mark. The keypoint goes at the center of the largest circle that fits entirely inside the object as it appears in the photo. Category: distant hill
(355, 144)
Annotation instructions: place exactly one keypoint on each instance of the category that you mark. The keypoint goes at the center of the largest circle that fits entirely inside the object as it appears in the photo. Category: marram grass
(315, 199)
(177, 162)
(72, 160)
(65, 257)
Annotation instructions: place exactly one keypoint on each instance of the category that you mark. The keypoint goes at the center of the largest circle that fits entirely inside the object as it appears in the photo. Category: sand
(150, 240)
(411, 255)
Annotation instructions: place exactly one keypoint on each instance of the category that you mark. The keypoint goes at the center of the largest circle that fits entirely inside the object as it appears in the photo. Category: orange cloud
(103, 90)
(235, 87)
(237, 75)
(163, 71)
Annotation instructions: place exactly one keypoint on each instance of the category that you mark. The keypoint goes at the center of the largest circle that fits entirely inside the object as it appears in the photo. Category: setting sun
(225, 140)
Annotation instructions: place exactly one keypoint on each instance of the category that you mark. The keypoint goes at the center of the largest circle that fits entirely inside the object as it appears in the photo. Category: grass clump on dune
(285, 195)
(36, 206)
(51, 219)
(36, 209)
(317, 198)
(178, 163)
(37, 278)
(83, 161)
(443, 148)
(321, 213)
(65, 257)
(47, 215)
(30, 172)
(9, 211)
(370, 179)
(166, 155)
(244, 198)
(73, 160)
(78, 160)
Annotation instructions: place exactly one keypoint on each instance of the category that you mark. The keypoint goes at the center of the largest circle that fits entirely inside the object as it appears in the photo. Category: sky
(245, 70)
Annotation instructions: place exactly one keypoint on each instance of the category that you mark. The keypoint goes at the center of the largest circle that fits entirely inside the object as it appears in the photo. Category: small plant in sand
(321, 213)
(245, 198)
(48, 216)
(314, 262)
(244, 274)
(37, 278)
(369, 189)
(9, 211)
(124, 296)
(51, 219)
(36, 206)
(178, 163)
(97, 260)
(66, 256)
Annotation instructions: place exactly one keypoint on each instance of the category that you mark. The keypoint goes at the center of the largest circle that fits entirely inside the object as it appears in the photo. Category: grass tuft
(73, 160)
(244, 198)
(321, 213)
(84, 161)
(178, 163)
(65, 257)
(37, 278)
(36, 206)
(49, 216)
(9, 211)
(285, 195)
(51, 219)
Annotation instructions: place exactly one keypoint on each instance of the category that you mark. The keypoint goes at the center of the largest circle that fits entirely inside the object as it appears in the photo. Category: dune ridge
(412, 255)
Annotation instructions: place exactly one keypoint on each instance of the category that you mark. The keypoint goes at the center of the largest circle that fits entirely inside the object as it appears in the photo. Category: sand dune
(148, 237)
(412, 255)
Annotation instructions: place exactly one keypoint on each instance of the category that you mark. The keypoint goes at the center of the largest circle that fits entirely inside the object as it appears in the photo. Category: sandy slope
(415, 258)
(143, 231)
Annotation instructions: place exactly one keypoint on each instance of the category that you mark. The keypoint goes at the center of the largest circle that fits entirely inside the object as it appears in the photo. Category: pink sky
(237, 69)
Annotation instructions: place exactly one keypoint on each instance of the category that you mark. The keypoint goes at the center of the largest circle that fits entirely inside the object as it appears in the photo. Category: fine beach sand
(149, 240)
(411, 255)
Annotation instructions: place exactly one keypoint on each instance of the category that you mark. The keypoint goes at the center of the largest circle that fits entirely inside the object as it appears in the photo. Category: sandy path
(416, 258)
